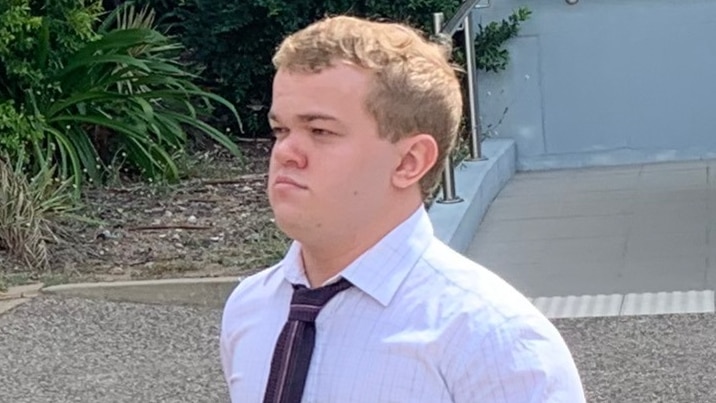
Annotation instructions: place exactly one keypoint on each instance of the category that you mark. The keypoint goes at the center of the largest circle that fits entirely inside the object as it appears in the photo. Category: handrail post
(448, 177)
(475, 129)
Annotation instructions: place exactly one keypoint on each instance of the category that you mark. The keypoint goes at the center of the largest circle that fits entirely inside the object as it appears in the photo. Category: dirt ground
(217, 222)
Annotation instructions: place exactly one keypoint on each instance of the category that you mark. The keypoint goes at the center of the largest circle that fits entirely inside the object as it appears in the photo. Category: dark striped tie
(292, 355)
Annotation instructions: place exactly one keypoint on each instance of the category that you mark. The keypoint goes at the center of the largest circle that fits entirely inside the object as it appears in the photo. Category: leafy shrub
(36, 37)
(234, 40)
(490, 39)
(17, 128)
(123, 88)
(96, 98)
(28, 207)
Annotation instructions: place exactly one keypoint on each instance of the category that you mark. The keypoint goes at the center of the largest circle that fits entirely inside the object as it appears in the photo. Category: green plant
(27, 210)
(17, 127)
(89, 99)
(35, 39)
(233, 41)
(490, 40)
(136, 99)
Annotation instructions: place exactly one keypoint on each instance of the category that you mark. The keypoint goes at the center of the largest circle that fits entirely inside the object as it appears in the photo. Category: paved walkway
(63, 350)
(633, 229)
(577, 232)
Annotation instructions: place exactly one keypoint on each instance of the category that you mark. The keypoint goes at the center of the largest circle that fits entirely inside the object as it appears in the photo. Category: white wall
(606, 82)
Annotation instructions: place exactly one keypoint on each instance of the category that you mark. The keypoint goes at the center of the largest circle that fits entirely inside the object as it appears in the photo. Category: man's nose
(290, 150)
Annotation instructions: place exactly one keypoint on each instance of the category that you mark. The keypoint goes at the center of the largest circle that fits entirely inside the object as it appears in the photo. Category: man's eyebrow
(307, 117)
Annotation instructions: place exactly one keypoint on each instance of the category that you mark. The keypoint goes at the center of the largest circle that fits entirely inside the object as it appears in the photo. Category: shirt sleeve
(523, 360)
(226, 357)
(226, 350)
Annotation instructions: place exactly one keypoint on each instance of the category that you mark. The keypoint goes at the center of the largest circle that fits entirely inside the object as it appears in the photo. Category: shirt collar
(380, 270)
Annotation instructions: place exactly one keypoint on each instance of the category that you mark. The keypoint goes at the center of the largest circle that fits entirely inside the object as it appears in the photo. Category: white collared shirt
(421, 324)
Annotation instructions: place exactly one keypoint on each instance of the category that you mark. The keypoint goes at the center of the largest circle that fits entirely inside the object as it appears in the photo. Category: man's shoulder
(485, 307)
(476, 288)
(252, 286)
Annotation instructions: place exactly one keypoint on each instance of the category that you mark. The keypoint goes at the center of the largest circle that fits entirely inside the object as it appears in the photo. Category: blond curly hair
(415, 87)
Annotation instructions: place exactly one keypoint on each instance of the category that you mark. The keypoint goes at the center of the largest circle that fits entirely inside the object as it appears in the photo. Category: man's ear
(418, 154)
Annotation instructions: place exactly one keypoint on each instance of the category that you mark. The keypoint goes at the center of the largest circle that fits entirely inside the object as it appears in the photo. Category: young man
(367, 306)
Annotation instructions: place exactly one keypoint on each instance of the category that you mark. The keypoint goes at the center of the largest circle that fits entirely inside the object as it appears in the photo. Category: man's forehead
(336, 78)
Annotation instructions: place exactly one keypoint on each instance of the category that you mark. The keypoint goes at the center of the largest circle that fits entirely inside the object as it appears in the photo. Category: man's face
(330, 172)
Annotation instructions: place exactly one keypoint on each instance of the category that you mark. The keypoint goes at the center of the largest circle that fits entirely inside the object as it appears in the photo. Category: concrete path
(635, 229)
(62, 349)
(578, 232)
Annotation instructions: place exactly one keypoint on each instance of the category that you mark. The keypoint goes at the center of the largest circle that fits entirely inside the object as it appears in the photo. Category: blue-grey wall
(605, 82)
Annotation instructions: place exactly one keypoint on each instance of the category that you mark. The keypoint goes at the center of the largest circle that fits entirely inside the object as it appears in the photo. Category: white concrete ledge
(610, 158)
(477, 183)
(204, 292)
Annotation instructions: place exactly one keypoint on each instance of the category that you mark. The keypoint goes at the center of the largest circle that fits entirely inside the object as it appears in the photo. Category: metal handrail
(453, 24)
(448, 178)
(475, 126)
(462, 16)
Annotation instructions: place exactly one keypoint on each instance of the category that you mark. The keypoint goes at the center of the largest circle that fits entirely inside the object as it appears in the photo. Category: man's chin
(290, 224)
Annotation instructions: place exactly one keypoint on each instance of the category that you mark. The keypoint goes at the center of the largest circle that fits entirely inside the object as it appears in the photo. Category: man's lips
(285, 180)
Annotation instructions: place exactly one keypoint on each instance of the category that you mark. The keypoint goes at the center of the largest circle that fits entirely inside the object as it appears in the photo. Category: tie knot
(307, 303)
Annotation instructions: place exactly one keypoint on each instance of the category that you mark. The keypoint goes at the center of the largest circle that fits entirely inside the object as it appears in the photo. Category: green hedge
(233, 40)
(91, 97)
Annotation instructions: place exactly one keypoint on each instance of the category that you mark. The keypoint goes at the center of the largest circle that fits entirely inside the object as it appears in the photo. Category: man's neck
(324, 260)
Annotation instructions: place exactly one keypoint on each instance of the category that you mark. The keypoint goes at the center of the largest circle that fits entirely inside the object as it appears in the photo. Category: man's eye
(321, 132)
(277, 131)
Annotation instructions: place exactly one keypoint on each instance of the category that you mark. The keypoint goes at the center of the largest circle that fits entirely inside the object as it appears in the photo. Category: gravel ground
(654, 359)
(72, 350)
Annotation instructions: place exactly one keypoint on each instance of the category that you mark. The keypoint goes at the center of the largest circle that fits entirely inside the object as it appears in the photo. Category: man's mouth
(285, 180)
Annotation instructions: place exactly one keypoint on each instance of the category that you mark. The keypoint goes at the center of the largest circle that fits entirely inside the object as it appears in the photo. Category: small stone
(168, 213)
(162, 236)
(176, 237)
(116, 271)
(104, 235)
(179, 245)
(156, 221)
(120, 210)
(215, 238)
(246, 189)
(191, 219)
